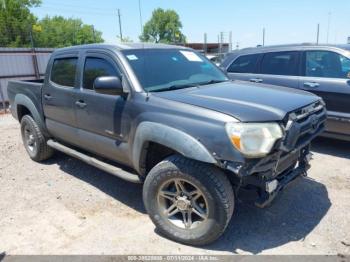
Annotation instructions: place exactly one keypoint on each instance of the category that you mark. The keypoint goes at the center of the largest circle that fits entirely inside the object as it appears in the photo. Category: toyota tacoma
(167, 117)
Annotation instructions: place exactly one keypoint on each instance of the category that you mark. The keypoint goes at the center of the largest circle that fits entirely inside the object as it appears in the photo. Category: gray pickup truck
(167, 117)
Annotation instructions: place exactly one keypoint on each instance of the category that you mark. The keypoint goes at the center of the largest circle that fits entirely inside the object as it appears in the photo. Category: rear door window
(326, 64)
(63, 71)
(280, 63)
(97, 67)
(244, 64)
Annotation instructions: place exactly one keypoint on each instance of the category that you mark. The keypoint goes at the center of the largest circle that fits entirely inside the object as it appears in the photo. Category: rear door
(99, 116)
(243, 67)
(327, 74)
(58, 97)
(280, 68)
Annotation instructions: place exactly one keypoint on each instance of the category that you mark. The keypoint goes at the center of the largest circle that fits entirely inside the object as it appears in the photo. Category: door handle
(80, 104)
(311, 84)
(256, 80)
(47, 97)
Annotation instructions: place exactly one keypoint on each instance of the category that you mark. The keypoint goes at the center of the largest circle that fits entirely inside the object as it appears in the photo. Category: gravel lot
(64, 206)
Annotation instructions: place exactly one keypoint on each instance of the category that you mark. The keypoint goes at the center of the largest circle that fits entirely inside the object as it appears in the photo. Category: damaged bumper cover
(271, 174)
(269, 187)
(270, 178)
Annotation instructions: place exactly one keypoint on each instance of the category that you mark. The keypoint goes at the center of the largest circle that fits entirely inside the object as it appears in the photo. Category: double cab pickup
(167, 117)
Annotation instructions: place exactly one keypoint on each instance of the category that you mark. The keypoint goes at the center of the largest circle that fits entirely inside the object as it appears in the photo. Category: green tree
(16, 21)
(58, 31)
(163, 27)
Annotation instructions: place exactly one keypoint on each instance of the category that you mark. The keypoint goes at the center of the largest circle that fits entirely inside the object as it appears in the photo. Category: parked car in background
(216, 59)
(321, 69)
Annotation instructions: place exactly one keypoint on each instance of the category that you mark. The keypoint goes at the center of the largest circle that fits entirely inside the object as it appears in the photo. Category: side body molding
(23, 100)
(170, 137)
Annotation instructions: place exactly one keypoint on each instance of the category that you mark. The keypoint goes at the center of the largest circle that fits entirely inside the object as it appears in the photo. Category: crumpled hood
(243, 100)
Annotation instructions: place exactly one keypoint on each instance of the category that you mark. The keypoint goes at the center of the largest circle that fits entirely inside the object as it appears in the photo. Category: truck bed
(30, 88)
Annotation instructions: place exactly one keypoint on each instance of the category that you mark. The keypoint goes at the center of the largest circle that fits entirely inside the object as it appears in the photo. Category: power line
(73, 12)
(59, 4)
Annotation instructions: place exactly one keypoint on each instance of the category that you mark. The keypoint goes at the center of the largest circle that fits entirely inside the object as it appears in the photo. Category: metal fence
(21, 64)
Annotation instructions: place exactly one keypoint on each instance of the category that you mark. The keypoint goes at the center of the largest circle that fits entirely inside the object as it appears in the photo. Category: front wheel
(188, 201)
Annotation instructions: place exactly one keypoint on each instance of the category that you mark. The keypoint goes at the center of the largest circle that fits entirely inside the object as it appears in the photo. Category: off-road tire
(41, 151)
(210, 180)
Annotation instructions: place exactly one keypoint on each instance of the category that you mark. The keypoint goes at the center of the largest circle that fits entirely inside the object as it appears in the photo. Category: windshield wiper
(174, 87)
(212, 81)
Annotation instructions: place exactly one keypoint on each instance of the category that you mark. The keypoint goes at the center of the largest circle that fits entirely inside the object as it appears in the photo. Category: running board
(95, 162)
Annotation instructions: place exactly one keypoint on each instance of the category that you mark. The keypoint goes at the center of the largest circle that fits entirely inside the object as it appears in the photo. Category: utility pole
(263, 42)
(221, 41)
(94, 33)
(318, 34)
(34, 58)
(120, 26)
(205, 43)
(140, 12)
(75, 32)
(218, 43)
(230, 41)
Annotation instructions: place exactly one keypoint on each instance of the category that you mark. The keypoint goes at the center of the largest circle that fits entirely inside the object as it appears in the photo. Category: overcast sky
(286, 21)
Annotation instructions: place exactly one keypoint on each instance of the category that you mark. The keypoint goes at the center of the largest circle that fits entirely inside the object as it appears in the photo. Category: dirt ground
(64, 206)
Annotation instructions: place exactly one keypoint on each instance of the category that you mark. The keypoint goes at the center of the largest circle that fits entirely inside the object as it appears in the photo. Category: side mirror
(108, 85)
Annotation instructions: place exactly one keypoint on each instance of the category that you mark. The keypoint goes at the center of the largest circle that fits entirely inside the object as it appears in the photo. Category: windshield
(166, 69)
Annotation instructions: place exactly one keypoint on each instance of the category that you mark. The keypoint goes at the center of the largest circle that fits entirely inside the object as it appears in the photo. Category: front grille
(303, 125)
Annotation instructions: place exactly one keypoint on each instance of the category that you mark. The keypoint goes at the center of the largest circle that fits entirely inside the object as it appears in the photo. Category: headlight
(254, 139)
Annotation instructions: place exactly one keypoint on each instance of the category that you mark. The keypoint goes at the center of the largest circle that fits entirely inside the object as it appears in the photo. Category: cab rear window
(63, 71)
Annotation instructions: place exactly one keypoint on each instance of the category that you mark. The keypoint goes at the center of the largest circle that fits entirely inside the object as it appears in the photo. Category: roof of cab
(119, 47)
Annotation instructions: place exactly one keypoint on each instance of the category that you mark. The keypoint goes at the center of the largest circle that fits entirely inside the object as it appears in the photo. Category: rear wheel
(188, 201)
(33, 140)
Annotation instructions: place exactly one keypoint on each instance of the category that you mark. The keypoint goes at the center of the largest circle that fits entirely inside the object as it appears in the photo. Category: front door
(327, 74)
(99, 116)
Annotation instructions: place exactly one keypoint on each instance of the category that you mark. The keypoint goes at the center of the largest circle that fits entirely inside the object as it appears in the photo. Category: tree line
(20, 28)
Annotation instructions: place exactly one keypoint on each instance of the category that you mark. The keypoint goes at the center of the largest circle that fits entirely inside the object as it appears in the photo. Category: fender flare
(23, 100)
(170, 137)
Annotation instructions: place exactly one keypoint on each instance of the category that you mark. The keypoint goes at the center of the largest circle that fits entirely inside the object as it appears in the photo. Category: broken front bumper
(268, 186)
(290, 160)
